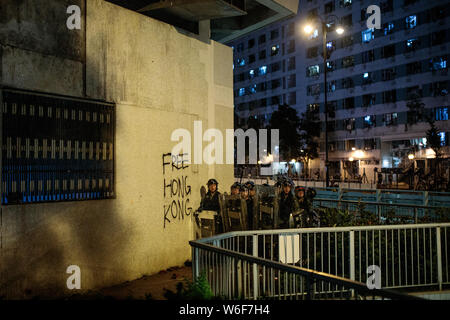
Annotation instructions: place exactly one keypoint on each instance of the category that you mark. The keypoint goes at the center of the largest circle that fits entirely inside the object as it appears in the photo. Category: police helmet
(250, 185)
(311, 193)
(287, 182)
(212, 181)
(243, 188)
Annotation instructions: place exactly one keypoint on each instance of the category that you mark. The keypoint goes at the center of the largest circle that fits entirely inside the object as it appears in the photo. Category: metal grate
(55, 148)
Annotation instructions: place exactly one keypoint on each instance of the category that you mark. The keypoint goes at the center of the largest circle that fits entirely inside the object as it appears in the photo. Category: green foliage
(148, 296)
(443, 214)
(365, 217)
(199, 289)
(286, 120)
(361, 216)
(310, 132)
(416, 110)
(433, 138)
(332, 217)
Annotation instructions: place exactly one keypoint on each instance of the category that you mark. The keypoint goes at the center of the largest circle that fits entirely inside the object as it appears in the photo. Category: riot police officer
(286, 203)
(244, 192)
(251, 187)
(235, 188)
(250, 200)
(211, 202)
(300, 196)
(304, 201)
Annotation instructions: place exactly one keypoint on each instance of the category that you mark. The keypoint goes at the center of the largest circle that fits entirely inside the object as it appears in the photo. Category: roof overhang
(230, 19)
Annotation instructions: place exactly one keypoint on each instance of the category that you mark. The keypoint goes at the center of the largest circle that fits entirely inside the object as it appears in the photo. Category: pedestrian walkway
(149, 287)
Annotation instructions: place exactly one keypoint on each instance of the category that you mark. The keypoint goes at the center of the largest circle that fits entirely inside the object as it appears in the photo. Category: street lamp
(411, 156)
(339, 30)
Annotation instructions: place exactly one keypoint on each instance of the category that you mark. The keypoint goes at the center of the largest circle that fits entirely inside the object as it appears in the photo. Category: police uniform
(285, 208)
(211, 202)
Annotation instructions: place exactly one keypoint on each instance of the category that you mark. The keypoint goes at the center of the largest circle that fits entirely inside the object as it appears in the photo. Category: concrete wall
(160, 80)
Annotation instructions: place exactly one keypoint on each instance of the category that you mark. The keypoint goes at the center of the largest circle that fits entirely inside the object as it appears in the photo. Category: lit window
(251, 73)
(369, 121)
(345, 3)
(314, 35)
(389, 28)
(253, 88)
(241, 92)
(442, 114)
(331, 65)
(332, 86)
(313, 70)
(411, 22)
(411, 44)
(275, 49)
(438, 63)
(262, 70)
(367, 77)
(443, 139)
(368, 35)
(390, 119)
(241, 62)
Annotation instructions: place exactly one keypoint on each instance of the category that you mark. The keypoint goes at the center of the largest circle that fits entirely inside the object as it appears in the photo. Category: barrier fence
(324, 263)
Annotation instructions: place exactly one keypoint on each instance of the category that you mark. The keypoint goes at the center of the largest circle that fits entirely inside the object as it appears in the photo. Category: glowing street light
(308, 29)
(411, 156)
(359, 154)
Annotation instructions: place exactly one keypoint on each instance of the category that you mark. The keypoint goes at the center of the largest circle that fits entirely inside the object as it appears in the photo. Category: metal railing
(324, 263)
(384, 211)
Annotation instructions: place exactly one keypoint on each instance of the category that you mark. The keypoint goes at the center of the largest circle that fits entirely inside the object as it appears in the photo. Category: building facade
(375, 80)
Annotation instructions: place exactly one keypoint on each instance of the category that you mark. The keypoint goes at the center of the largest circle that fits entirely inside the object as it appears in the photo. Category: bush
(199, 289)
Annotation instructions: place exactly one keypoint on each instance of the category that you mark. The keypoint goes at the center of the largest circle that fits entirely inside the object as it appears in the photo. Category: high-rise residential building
(376, 78)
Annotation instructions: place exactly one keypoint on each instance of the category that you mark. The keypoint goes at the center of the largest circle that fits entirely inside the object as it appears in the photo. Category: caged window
(56, 148)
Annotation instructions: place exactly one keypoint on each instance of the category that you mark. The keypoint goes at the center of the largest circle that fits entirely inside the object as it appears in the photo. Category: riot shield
(236, 213)
(267, 207)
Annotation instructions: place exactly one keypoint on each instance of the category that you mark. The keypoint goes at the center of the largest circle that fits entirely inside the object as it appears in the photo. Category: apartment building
(374, 76)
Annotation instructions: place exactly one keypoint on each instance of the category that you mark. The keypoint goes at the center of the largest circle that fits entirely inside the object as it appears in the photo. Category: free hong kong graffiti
(176, 188)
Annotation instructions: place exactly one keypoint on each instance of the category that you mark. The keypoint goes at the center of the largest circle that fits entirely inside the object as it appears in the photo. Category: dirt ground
(149, 287)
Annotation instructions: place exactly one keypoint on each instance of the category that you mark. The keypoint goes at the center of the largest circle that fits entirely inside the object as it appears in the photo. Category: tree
(309, 136)
(416, 110)
(434, 142)
(254, 123)
(286, 120)
(434, 138)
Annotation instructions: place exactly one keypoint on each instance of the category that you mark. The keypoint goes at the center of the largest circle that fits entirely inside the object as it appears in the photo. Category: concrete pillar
(204, 30)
